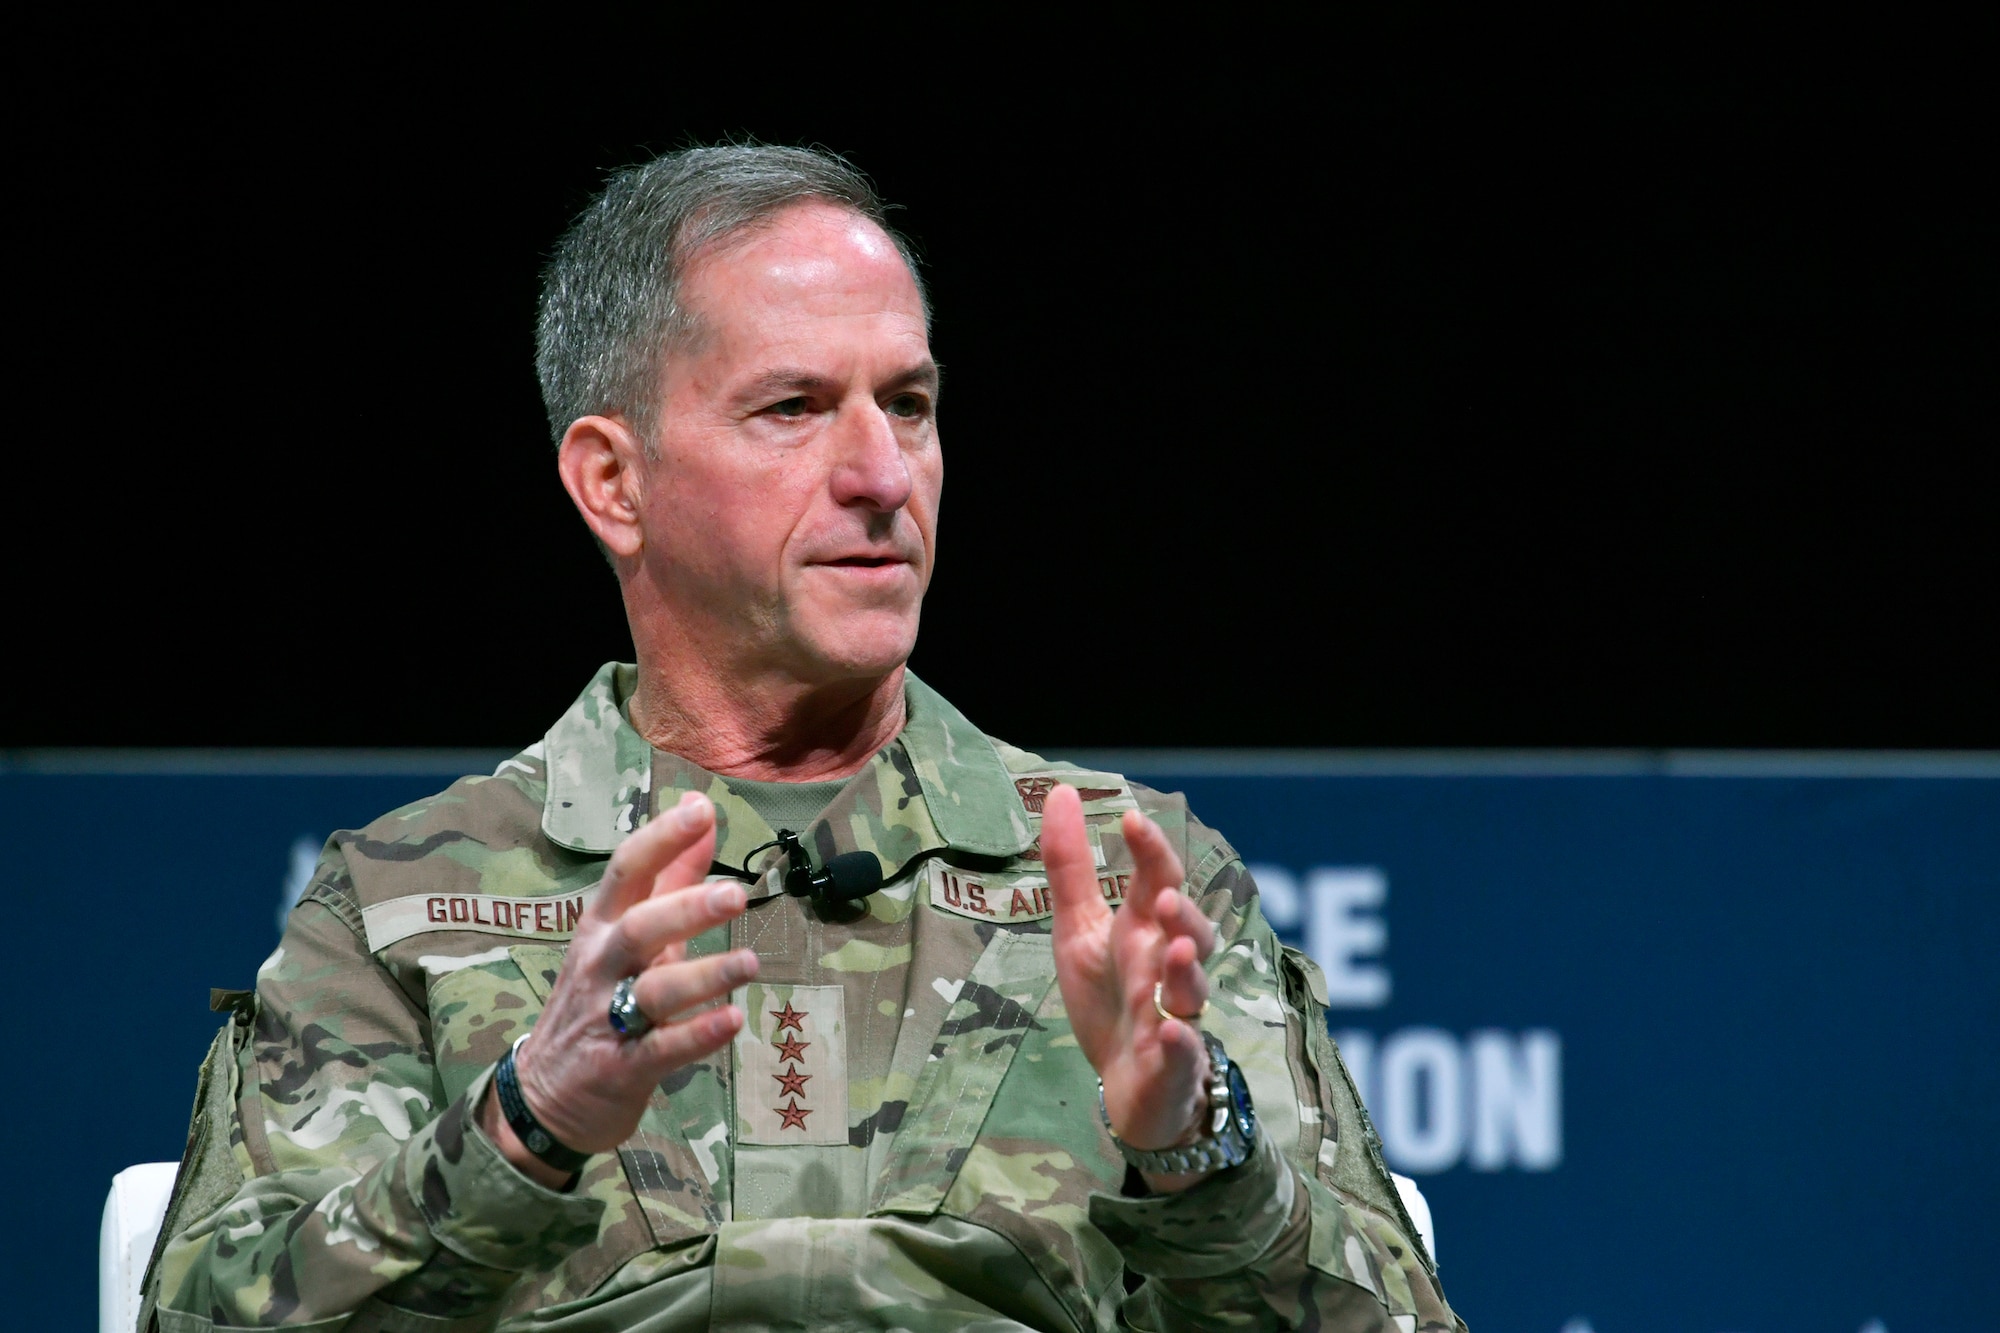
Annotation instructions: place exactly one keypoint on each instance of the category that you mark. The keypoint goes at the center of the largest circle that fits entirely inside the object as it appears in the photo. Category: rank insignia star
(789, 1017)
(793, 1115)
(791, 1048)
(792, 1084)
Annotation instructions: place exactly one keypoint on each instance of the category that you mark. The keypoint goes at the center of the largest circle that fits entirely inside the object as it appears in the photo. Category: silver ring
(627, 1018)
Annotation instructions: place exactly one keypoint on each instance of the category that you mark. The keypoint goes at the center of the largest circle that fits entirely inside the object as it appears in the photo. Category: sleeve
(1308, 1233)
(357, 1192)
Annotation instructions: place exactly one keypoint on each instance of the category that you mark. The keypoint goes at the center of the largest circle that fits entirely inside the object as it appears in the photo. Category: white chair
(1419, 1210)
(132, 1213)
(138, 1201)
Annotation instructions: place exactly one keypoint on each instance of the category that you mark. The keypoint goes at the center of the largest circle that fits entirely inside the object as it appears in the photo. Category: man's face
(791, 518)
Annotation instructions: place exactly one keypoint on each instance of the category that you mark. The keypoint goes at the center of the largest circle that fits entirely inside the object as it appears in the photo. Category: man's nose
(869, 467)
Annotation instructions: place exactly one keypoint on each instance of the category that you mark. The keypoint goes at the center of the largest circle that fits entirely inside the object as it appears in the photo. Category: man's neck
(778, 731)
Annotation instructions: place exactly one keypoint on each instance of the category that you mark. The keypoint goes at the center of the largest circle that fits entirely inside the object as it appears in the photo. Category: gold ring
(1160, 1008)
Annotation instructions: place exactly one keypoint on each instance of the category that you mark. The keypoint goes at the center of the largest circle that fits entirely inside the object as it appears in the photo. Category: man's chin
(861, 648)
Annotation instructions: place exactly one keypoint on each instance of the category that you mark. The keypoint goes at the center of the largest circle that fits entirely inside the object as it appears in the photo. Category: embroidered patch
(1004, 898)
(552, 918)
(791, 1064)
(1035, 794)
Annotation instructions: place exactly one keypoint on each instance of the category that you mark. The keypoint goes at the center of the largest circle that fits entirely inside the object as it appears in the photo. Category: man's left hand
(1155, 1070)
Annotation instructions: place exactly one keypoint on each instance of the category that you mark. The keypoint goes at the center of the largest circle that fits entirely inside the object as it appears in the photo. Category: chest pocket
(478, 1005)
(996, 1012)
(674, 1167)
(655, 1189)
(1003, 1129)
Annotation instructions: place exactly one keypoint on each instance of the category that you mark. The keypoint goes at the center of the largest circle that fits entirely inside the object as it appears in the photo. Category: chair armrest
(1419, 1210)
(132, 1213)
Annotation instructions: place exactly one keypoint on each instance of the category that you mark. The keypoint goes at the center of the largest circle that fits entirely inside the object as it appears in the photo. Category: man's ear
(604, 470)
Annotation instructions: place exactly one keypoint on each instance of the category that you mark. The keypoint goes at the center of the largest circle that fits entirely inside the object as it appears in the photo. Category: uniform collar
(939, 784)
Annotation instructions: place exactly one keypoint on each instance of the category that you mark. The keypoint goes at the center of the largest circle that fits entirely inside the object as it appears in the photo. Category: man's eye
(908, 405)
(790, 407)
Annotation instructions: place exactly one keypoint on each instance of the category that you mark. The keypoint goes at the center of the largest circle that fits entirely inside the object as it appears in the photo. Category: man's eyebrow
(923, 375)
(789, 380)
(785, 380)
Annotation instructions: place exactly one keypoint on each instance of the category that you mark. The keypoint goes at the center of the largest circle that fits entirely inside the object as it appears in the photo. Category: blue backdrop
(1671, 1043)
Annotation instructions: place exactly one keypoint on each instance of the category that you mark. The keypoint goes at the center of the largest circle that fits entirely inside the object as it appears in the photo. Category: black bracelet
(515, 1107)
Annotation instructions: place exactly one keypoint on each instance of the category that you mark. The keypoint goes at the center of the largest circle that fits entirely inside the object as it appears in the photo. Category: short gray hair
(610, 307)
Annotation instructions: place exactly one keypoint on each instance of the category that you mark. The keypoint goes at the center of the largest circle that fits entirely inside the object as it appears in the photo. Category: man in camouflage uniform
(879, 1115)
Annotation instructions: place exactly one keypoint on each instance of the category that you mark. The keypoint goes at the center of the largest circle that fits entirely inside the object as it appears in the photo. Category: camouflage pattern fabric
(338, 1179)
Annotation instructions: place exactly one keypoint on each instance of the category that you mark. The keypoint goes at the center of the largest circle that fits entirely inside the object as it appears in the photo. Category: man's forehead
(813, 255)
(805, 297)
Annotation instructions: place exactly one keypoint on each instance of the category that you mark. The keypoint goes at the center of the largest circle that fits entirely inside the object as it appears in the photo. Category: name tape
(551, 918)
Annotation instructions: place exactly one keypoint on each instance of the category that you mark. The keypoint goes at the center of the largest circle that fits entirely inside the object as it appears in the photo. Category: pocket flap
(540, 964)
(981, 1033)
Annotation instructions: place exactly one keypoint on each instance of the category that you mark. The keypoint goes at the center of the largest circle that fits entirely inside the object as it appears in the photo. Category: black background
(1318, 387)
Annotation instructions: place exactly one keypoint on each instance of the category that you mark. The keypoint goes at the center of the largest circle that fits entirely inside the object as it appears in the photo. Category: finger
(1180, 1044)
(690, 866)
(669, 988)
(1183, 985)
(1178, 916)
(1154, 865)
(638, 861)
(1180, 1039)
(660, 923)
(1066, 856)
(1150, 1102)
(674, 1044)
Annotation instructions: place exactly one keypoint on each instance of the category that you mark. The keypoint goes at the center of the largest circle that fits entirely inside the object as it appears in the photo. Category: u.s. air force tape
(1005, 897)
(550, 918)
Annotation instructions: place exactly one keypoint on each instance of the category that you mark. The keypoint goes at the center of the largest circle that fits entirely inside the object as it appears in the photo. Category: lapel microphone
(846, 878)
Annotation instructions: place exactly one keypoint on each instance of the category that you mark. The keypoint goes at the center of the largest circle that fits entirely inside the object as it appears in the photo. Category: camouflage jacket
(905, 1134)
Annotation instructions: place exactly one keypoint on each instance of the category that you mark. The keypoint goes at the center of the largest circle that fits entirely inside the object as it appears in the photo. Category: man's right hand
(587, 1084)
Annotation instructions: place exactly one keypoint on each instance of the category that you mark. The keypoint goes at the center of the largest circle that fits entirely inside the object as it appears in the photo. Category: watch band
(1231, 1135)
(507, 1084)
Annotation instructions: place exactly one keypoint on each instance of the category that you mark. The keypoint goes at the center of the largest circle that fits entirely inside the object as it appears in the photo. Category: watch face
(1239, 1102)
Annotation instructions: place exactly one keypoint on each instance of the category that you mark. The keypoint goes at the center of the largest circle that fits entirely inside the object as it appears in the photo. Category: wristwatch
(1232, 1125)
